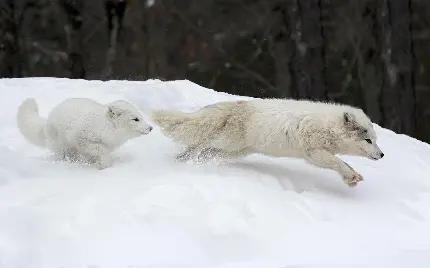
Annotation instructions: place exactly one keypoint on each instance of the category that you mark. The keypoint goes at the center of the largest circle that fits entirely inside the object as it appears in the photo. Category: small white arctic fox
(82, 127)
(315, 131)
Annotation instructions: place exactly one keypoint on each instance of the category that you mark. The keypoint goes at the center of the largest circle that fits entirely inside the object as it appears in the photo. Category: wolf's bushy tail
(192, 128)
(30, 124)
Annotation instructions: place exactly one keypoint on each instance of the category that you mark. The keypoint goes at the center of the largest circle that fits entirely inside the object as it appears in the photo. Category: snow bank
(148, 211)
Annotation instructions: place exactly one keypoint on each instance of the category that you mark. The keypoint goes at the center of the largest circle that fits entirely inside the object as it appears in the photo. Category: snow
(150, 211)
(150, 3)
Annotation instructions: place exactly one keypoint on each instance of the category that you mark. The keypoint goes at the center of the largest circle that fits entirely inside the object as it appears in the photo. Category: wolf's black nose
(150, 128)
(382, 155)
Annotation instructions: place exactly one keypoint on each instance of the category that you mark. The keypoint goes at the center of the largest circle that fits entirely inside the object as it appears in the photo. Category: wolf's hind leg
(207, 154)
(210, 153)
(324, 159)
(190, 152)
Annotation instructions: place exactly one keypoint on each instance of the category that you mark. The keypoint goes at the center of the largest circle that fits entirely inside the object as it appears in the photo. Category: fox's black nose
(382, 155)
(150, 128)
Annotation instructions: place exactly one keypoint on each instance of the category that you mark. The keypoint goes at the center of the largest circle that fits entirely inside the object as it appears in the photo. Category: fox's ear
(349, 120)
(113, 111)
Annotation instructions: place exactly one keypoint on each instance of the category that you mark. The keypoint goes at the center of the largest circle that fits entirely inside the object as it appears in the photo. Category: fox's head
(127, 118)
(359, 137)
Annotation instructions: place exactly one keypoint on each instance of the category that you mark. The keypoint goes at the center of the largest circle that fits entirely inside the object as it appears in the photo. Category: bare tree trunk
(74, 38)
(156, 39)
(115, 12)
(282, 54)
(111, 53)
(13, 15)
(294, 26)
(421, 41)
(372, 82)
(398, 91)
(308, 59)
(283, 77)
(314, 49)
(405, 60)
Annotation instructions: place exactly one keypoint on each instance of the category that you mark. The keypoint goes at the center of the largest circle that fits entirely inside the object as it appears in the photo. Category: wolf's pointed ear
(113, 111)
(349, 120)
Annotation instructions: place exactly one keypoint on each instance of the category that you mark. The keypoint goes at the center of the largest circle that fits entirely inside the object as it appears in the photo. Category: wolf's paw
(352, 180)
(207, 154)
(182, 157)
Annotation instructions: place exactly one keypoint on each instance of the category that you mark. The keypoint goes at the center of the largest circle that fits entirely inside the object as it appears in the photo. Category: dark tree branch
(258, 77)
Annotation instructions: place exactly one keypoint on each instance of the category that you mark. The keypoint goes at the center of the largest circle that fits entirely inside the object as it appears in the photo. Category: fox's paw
(353, 180)
(104, 162)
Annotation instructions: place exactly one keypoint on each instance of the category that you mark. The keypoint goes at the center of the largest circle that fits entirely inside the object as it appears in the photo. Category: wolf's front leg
(325, 159)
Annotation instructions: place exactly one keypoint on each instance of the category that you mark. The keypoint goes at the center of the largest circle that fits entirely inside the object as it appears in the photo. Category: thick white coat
(314, 131)
(82, 127)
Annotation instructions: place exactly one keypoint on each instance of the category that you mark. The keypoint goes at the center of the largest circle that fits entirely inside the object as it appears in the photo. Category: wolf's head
(128, 118)
(359, 137)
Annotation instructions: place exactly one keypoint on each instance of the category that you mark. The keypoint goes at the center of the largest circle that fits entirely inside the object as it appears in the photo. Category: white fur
(314, 131)
(82, 127)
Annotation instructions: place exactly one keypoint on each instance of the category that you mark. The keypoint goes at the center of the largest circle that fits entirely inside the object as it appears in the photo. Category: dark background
(371, 54)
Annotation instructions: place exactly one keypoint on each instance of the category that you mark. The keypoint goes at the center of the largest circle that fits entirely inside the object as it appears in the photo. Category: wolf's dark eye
(136, 119)
(368, 141)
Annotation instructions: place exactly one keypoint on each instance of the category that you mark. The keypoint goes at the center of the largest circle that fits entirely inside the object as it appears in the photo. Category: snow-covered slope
(149, 211)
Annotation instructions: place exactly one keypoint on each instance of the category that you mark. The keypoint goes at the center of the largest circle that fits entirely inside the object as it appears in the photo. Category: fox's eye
(368, 141)
(136, 119)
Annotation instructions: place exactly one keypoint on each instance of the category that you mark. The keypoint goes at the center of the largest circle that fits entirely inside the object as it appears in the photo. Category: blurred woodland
(374, 54)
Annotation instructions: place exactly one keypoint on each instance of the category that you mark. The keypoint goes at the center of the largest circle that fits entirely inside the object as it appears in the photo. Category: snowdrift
(149, 211)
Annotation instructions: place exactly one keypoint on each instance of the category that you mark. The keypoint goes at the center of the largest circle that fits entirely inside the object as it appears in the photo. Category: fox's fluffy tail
(192, 128)
(30, 124)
